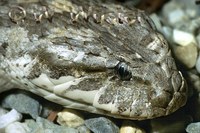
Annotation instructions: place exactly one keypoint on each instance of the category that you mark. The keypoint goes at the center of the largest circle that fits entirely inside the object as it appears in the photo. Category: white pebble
(176, 16)
(130, 127)
(70, 118)
(3, 111)
(17, 127)
(183, 38)
(9, 118)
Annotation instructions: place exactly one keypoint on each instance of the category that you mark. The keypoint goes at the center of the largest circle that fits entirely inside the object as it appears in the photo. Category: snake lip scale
(100, 57)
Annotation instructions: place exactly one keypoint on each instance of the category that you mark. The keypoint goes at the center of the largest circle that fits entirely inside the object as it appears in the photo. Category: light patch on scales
(79, 57)
(154, 44)
(47, 83)
(61, 80)
(138, 55)
(61, 89)
(106, 106)
(115, 109)
(82, 96)
(81, 34)
(71, 104)
(43, 82)
(66, 53)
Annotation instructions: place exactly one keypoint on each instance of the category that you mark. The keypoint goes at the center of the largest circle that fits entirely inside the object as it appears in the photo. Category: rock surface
(193, 127)
(17, 127)
(9, 118)
(101, 125)
(23, 104)
(44, 126)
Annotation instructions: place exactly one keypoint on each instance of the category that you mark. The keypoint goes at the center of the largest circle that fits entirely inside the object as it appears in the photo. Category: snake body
(101, 57)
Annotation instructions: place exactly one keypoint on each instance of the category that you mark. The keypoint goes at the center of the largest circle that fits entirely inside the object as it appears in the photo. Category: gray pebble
(42, 125)
(83, 129)
(101, 125)
(193, 128)
(23, 104)
(198, 64)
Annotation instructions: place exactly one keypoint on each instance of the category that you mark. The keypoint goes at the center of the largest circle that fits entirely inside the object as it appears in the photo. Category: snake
(98, 56)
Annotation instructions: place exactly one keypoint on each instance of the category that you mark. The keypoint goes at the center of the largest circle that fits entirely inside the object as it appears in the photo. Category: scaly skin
(99, 57)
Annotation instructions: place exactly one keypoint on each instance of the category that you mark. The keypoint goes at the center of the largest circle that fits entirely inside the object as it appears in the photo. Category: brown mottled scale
(96, 56)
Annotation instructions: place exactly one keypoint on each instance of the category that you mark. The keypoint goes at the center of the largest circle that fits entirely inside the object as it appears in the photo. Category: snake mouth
(180, 95)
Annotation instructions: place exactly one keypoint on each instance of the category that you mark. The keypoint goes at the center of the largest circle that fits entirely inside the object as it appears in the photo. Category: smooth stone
(42, 125)
(171, 6)
(168, 33)
(130, 127)
(198, 40)
(176, 16)
(198, 64)
(191, 8)
(183, 38)
(187, 55)
(174, 123)
(3, 111)
(101, 125)
(155, 18)
(194, 79)
(191, 12)
(17, 127)
(9, 118)
(83, 129)
(70, 118)
(193, 128)
(192, 26)
(23, 104)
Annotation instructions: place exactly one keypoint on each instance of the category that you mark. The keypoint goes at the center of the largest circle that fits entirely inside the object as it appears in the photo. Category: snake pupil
(123, 71)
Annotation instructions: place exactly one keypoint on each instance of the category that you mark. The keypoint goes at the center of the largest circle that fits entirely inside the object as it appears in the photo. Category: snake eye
(123, 71)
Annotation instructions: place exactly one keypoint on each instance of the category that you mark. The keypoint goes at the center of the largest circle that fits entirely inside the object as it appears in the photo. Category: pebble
(156, 20)
(170, 6)
(193, 128)
(130, 127)
(101, 125)
(42, 125)
(198, 40)
(83, 129)
(9, 118)
(23, 104)
(183, 38)
(195, 79)
(176, 16)
(187, 55)
(168, 33)
(3, 111)
(198, 64)
(70, 118)
(17, 127)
